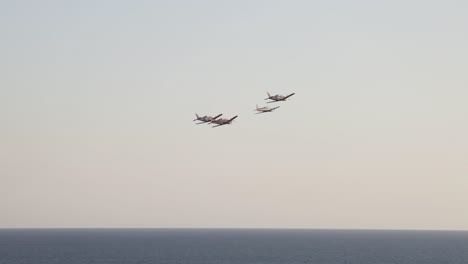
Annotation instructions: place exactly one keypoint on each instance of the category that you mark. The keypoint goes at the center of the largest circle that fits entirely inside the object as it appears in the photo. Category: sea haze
(48, 246)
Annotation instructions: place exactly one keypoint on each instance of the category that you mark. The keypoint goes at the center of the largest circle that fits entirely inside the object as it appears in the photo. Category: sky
(97, 100)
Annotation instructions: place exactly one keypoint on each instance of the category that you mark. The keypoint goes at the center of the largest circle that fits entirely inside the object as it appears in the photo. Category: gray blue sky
(97, 100)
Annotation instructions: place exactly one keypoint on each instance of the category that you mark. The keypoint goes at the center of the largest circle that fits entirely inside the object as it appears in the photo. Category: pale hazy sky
(97, 100)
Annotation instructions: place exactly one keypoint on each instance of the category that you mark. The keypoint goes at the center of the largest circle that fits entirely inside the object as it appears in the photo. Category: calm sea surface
(69, 246)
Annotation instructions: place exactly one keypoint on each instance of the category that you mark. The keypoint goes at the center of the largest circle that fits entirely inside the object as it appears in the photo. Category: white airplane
(205, 119)
(278, 98)
(221, 121)
(265, 109)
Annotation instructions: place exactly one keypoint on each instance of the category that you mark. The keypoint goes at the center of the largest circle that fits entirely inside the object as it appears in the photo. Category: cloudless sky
(97, 100)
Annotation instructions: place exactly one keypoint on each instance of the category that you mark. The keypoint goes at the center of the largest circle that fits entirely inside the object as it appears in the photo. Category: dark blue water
(207, 246)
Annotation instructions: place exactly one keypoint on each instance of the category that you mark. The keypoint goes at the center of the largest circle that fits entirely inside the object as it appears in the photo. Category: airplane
(277, 98)
(265, 109)
(205, 119)
(223, 121)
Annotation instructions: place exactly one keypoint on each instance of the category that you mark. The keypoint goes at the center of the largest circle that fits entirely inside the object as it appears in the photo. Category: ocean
(223, 246)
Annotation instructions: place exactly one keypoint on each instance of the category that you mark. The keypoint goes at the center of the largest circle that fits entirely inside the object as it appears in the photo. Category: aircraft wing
(230, 120)
(274, 108)
(289, 96)
(214, 118)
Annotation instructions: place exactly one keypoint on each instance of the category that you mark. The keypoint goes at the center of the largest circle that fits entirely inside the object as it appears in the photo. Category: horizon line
(240, 228)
